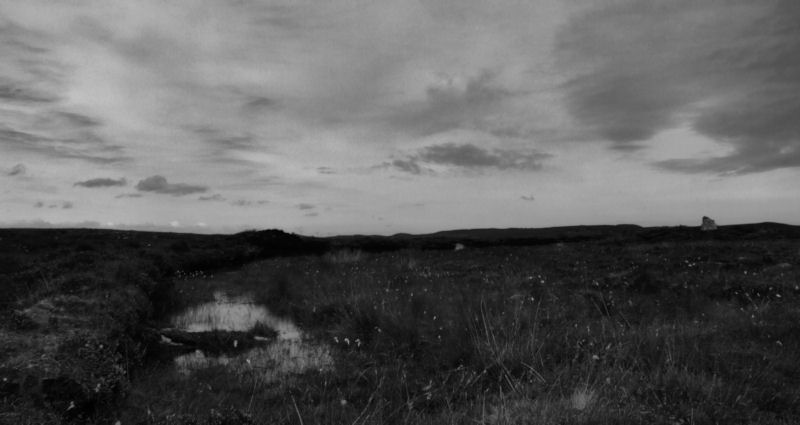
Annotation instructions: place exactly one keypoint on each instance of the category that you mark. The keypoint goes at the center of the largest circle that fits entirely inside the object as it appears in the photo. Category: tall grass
(663, 334)
(528, 331)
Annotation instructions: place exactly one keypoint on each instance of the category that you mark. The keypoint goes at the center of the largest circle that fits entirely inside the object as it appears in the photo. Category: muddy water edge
(219, 349)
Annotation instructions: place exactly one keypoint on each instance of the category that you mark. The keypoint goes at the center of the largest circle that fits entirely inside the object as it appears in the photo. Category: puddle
(289, 354)
(232, 313)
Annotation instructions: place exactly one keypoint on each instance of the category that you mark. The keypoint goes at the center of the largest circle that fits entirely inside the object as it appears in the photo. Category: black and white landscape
(422, 212)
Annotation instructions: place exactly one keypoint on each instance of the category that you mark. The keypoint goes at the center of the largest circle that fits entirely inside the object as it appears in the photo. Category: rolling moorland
(584, 324)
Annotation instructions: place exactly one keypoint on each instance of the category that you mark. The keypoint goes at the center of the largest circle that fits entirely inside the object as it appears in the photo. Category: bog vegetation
(653, 330)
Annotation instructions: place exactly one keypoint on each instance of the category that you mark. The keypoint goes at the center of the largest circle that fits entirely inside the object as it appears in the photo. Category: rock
(708, 224)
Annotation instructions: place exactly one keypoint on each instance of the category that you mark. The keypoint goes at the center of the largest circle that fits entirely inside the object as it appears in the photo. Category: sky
(382, 116)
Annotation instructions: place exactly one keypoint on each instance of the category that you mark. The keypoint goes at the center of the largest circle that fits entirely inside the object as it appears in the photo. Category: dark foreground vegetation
(591, 325)
(74, 302)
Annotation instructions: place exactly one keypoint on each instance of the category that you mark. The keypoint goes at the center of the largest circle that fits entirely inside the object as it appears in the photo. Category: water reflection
(232, 313)
(289, 354)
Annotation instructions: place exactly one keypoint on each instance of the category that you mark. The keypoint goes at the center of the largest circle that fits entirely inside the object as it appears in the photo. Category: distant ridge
(276, 242)
(620, 233)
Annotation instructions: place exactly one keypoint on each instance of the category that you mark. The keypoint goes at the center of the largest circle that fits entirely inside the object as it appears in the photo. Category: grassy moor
(573, 325)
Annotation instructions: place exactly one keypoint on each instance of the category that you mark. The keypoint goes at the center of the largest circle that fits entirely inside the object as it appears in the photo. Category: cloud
(527, 198)
(407, 165)
(471, 156)
(452, 104)
(79, 119)
(215, 197)
(17, 170)
(159, 184)
(30, 81)
(84, 145)
(468, 156)
(15, 93)
(259, 103)
(627, 147)
(226, 142)
(66, 205)
(248, 203)
(728, 70)
(59, 120)
(102, 182)
(33, 85)
(744, 161)
(230, 147)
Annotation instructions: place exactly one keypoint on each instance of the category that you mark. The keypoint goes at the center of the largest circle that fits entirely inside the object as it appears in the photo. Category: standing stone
(708, 224)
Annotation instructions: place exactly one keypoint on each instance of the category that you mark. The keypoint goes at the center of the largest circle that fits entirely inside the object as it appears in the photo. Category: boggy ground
(692, 332)
(73, 305)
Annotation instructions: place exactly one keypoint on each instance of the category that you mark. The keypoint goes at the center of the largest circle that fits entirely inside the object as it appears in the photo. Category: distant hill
(622, 233)
(766, 230)
(268, 243)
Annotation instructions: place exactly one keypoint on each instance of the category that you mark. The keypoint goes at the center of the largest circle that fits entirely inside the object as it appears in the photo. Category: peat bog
(586, 325)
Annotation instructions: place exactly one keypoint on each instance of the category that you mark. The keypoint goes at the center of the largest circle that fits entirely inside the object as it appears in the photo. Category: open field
(662, 326)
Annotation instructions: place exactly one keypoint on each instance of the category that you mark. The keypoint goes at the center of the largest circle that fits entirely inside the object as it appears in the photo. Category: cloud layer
(452, 104)
(469, 157)
(102, 182)
(159, 184)
(730, 71)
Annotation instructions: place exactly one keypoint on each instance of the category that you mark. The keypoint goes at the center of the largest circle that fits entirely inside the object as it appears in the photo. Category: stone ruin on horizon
(708, 224)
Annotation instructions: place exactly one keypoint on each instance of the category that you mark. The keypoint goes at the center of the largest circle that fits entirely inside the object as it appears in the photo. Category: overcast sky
(383, 116)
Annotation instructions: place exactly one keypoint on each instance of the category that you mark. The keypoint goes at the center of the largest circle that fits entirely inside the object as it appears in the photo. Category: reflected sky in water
(233, 313)
(289, 354)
